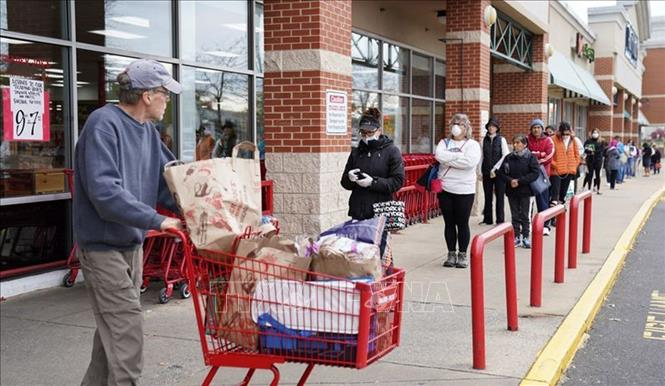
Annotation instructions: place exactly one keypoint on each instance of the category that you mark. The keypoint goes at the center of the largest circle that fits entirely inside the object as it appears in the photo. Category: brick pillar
(518, 96)
(468, 74)
(634, 131)
(628, 122)
(618, 119)
(308, 51)
(600, 116)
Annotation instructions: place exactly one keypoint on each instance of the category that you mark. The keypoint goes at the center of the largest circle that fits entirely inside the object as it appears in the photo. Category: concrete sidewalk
(46, 336)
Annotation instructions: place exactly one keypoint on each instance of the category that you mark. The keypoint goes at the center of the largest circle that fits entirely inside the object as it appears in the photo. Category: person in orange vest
(564, 163)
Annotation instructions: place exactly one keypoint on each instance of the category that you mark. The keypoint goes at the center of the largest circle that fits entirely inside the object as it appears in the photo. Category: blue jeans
(630, 167)
(622, 173)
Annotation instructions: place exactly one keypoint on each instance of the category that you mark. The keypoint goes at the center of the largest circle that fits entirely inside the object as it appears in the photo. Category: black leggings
(594, 169)
(456, 209)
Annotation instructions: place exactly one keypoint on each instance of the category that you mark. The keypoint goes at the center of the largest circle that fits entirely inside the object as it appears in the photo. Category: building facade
(271, 69)
(653, 83)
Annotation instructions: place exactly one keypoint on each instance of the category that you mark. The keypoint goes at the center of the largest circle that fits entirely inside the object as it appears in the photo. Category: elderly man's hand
(171, 222)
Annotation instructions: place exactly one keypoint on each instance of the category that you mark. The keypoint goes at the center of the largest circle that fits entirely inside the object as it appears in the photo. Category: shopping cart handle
(177, 232)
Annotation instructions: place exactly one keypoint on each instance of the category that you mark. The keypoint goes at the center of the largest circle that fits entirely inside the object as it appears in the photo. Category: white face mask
(566, 137)
(372, 138)
(456, 130)
(595, 135)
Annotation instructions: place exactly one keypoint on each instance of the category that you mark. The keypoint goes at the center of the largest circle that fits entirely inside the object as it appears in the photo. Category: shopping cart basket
(252, 313)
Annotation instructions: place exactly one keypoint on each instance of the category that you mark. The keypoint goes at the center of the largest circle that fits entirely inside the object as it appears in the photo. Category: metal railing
(559, 212)
(478, 284)
(586, 227)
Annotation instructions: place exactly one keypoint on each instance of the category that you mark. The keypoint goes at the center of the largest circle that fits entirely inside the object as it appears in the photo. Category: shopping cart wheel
(184, 291)
(67, 280)
(163, 296)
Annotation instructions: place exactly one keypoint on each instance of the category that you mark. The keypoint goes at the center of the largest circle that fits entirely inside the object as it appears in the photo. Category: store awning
(641, 119)
(565, 73)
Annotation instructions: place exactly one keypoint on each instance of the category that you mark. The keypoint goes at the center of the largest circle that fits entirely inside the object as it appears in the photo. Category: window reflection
(362, 101)
(215, 105)
(215, 32)
(20, 161)
(97, 86)
(422, 75)
(136, 25)
(421, 126)
(395, 68)
(396, 120)
(258, 37)
(365, 61)
(439, 121)
(440, 79)
(37, 17)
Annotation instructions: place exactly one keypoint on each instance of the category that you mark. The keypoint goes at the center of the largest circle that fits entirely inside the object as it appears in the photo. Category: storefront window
(422, 75)
(214, 103)
(440, 79)
(365, 61)
(258, 37)
(260, 128)
(421, 126)
(554, 111)
(568, 108)
(395, 68)
(137, 25)
(34, 232)
(396, 120)
(215, 32)
(439, 121)
(97, 86)
(37, 17)
(22, 161)
(581, 121)
(362, 100)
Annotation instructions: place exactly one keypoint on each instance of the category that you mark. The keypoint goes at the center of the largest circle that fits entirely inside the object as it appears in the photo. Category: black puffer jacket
(382, 160)
(524, 169)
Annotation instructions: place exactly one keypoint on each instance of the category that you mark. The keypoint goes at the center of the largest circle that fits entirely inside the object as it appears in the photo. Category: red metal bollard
(559, 212)
(572, 233)
(477, 287)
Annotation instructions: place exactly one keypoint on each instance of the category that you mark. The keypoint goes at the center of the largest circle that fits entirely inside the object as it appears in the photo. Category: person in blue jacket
(119, 162)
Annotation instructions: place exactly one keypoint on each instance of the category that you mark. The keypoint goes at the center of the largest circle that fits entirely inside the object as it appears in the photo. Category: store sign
(584, 50)
(336, 112)
(25, 111)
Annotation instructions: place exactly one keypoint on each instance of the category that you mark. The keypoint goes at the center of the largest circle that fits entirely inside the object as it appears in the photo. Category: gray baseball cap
(148, 74)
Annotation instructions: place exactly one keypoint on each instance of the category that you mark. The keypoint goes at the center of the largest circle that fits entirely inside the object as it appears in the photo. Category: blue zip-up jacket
(118, 167)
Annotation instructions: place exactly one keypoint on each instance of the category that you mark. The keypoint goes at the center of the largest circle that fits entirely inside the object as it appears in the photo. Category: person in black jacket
(518, 170)
(594, 150)
(374, 170)
(495, 149)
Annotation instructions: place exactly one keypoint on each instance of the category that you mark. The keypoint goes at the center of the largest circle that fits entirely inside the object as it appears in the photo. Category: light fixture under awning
(565, 73)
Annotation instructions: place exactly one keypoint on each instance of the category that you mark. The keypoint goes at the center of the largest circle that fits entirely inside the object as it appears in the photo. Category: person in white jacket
(458, 156)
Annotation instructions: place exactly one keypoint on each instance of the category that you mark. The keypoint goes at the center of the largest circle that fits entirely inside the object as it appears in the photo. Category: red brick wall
(653, 83)
(294, 104)
(303, 24)
(604, 66)
(467, 15)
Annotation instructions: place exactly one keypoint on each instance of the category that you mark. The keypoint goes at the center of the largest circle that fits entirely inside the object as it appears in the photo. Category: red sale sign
(25, 111)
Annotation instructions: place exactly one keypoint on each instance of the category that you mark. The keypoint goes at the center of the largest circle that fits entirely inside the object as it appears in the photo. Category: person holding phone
(374, 169)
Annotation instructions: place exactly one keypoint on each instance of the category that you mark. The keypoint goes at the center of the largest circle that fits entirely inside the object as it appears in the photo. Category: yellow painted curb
(557, 354)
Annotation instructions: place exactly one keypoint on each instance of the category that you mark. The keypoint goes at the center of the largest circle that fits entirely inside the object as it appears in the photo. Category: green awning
(565, 73)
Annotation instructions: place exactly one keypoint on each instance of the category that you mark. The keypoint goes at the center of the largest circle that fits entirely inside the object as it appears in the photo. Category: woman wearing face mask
(593, 148)
(564, 163)
(374, 170)
(542, 147)
(458, 156)
(518, 170)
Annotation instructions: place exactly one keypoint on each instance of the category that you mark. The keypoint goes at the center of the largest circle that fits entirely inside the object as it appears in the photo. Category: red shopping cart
(252, 313)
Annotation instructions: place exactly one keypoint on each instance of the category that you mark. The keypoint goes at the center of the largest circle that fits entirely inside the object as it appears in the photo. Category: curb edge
(558, 353)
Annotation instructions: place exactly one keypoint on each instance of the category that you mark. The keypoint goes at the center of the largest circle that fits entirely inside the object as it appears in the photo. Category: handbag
(393, 211)
(542, 183)
(424, 182)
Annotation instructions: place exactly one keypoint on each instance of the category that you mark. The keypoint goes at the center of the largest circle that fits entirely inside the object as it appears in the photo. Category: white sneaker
(546, 231)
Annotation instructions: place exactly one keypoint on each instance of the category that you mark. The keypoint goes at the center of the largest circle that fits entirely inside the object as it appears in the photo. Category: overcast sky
(657, 7)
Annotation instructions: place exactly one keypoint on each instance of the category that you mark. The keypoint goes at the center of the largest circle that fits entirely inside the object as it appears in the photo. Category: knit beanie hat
(537, 122)
(493, 121)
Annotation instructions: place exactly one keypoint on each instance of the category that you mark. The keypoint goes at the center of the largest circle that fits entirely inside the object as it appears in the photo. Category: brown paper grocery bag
(218, 198)
(331, 261)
